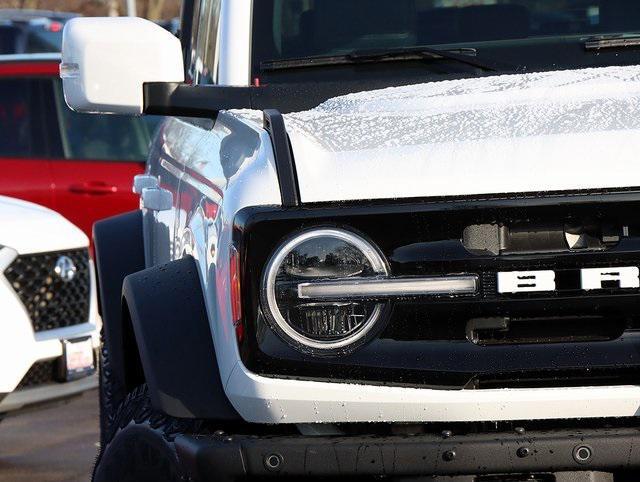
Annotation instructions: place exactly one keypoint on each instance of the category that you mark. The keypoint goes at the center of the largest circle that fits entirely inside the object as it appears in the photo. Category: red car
(79, 165)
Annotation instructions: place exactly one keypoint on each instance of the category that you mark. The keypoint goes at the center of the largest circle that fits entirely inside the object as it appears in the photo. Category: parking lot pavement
(53, 444)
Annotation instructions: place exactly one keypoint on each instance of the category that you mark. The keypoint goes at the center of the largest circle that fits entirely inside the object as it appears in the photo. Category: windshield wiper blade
(466, 56)
(612, 41)
(413, 53)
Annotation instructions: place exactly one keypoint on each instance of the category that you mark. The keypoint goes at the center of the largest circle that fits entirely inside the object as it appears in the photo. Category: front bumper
(222, 457)
(46, 393)
(261, 399)
(21, 346)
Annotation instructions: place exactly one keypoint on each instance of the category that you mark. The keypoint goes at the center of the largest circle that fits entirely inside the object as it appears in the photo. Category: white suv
(378, 239)
(48, 332)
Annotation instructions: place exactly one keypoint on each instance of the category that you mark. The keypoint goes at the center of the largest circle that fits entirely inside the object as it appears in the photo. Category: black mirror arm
(183, 100)
(179, 99)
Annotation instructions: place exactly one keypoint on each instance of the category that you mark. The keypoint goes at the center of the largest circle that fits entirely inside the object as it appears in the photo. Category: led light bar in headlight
(372, 288)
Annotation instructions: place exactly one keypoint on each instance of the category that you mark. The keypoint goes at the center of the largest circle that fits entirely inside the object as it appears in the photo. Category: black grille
(488, 340)
(50, 301)
(40, 373)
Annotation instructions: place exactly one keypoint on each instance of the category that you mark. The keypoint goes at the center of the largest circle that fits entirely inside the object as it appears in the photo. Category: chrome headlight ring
(330, 243)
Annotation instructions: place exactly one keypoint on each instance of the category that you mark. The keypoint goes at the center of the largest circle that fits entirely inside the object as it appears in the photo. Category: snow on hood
(549, 131)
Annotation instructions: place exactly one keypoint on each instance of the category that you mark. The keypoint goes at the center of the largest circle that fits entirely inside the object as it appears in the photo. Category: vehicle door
(98, 158)
(178, 140)
(175, 143)
(24, 144)
(199, 194)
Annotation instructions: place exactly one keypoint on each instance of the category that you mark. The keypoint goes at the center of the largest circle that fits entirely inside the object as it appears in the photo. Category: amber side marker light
(236, 293)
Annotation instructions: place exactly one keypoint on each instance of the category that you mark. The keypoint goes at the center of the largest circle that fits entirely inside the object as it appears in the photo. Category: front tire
(139, 443)
(105, 394)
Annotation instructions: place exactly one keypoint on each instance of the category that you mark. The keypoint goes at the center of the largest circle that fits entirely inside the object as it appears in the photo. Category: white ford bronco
(377, 240)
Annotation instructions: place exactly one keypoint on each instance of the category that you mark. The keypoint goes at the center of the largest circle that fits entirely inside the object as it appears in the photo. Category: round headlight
(316, 256)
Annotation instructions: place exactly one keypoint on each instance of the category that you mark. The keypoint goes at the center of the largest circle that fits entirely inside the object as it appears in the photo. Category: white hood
(550, 131)
(30, 228)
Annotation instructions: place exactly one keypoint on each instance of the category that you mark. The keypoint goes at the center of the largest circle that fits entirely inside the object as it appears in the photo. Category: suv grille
(46, 372)
(50, 301)
(569, 334)
(40, 373)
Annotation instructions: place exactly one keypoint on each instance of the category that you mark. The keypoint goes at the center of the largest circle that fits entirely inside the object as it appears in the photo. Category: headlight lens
(321, 255)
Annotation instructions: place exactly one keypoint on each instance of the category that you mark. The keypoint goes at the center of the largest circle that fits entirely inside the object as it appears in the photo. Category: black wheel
(139, 443)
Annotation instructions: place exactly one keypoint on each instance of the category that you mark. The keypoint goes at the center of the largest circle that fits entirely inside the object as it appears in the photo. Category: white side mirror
(106, 61)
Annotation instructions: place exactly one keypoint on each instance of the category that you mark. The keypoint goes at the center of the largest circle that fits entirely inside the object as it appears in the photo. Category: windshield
(502, 29)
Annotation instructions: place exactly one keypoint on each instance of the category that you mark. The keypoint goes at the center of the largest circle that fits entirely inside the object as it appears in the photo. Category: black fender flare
(119, 251)
(169, 318)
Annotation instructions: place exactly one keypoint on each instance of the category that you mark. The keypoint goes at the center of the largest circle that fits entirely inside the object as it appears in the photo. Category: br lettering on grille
(620, 277)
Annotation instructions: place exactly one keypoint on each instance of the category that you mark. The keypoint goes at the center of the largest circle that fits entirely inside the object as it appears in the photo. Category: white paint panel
(270, 400)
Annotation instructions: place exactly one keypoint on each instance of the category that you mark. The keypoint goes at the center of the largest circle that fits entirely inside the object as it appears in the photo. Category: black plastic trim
(179, 99)
(119, 251)
(285, 165)
(221, 458)
(423, 237)
(182, 99)
(173, 336)
(186, 29)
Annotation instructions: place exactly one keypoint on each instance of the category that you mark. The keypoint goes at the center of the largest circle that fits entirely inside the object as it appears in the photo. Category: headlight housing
(322, 326)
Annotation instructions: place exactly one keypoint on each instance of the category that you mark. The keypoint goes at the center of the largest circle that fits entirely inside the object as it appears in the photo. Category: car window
(103, 137)
(9, 39)
(39, 35)
(42, 40)
(20, 122)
